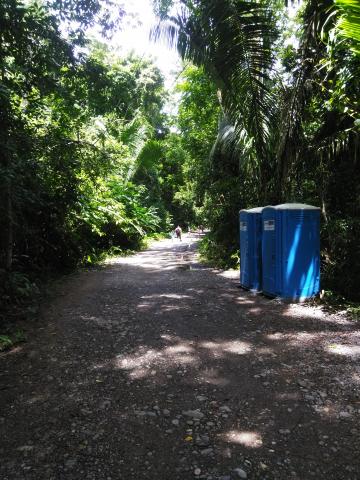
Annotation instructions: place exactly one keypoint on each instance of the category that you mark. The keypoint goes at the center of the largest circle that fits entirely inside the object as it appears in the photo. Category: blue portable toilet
(250, 248)
(291, 251)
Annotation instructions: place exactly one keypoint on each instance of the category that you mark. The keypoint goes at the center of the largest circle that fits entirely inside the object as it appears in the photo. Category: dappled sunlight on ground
(178, 348)
(302, 339)
(163, 364)
(302, 311)
(166, 295)
(144, 363)
(248, 439)
(352, 351)
(179, 353)
(219, 348)
(356, 377)
(255, 311)
(230, 274)
(169, 255)
(244, 301)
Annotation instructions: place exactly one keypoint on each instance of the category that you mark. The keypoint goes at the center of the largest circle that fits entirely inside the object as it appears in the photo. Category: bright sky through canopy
(135, 33)
(134, 36)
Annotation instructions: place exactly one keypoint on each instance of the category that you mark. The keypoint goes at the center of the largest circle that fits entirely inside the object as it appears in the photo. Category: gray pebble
(344, 415)
(240, 473)
(207, 451)
(201, 398)
(225, 409)
(195, 414)
(202, 441)
(70, 463)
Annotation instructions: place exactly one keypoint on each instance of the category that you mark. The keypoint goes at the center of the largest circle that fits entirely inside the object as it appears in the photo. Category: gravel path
(153, 367)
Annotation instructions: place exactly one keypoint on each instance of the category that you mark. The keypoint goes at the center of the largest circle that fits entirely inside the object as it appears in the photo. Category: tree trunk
(9, 232)
(6, 206)
(6, 209)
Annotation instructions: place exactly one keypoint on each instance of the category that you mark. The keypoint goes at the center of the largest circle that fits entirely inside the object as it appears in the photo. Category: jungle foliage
(89, 162)
(80, 145)
(270, 114)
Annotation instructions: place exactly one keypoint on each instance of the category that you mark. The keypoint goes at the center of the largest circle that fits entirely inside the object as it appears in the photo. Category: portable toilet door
(244, 250)
(250, 248)
(270, 251)
(291, 251)
(300, 255)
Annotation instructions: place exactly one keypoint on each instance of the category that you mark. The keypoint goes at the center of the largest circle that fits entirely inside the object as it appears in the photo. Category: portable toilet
(250, 248)
(291, 251)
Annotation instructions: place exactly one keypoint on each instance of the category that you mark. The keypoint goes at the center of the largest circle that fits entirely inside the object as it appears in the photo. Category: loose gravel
(154, 367)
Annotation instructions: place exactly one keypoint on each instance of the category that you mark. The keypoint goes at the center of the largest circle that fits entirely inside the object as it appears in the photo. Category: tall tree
(233, 41)
(289, 129)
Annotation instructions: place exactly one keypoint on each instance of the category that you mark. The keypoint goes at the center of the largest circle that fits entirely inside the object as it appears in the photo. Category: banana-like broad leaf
(349, 22)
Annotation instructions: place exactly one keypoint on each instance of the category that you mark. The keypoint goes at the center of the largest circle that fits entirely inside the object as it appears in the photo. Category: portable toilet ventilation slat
(291, 251)
(250, 248)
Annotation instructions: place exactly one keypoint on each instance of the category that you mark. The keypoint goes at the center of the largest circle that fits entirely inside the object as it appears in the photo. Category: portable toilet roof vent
(255, 210)
(295, 206)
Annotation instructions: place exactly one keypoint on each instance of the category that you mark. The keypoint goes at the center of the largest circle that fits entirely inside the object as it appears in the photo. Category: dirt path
(154, 368)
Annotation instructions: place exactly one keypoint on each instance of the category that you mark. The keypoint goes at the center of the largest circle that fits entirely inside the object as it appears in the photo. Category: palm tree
(233, 41)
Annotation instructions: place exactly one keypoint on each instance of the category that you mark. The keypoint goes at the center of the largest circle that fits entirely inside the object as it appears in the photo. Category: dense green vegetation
(286, 97)
(81, 132)
(89, 162)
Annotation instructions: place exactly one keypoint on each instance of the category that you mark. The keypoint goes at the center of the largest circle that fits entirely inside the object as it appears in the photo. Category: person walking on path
(178, 232)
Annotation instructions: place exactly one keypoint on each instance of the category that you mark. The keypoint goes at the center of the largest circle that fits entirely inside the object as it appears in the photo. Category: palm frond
(232, 39)
(133, 134)
(236, 148)
(349, 22)
(146, 159)
(150, 155)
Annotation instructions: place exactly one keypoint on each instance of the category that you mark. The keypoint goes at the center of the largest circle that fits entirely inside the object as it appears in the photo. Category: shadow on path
(151, 367)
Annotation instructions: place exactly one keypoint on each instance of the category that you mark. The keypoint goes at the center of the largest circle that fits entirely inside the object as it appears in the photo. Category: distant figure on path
(178, 232)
